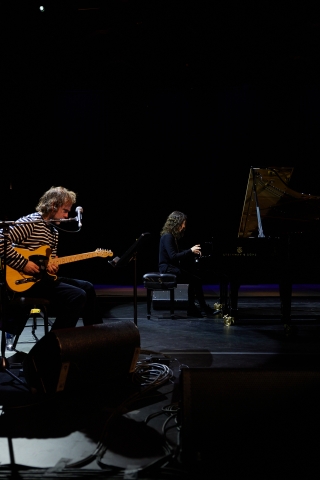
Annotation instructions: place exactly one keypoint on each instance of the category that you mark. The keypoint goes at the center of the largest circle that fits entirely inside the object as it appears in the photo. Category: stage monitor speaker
(82, 357)
(249, 422)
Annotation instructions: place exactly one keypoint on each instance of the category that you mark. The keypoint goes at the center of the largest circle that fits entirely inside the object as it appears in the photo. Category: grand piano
(278, 242)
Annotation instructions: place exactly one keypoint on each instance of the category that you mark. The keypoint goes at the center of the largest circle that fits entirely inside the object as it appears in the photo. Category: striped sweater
(25, 234)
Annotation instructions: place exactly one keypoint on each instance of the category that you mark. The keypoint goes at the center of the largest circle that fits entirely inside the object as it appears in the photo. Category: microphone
(79, 211)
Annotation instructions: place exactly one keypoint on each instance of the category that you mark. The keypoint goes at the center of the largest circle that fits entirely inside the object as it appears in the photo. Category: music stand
(131, 254)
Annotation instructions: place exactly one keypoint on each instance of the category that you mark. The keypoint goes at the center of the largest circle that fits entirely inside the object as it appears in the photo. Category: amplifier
(161, 298)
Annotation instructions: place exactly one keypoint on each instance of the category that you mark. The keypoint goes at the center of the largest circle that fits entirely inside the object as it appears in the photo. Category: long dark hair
(173, 224)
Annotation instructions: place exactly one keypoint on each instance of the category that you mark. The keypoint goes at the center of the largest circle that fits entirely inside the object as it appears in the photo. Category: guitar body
(20, 282)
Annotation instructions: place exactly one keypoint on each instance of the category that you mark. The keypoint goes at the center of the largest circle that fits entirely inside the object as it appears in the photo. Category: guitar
(20, 282)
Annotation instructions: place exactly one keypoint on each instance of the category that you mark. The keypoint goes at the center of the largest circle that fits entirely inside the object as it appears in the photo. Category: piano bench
(159, 281)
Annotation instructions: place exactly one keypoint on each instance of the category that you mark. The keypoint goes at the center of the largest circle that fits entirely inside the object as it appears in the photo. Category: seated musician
(70, 298)
(171, 260)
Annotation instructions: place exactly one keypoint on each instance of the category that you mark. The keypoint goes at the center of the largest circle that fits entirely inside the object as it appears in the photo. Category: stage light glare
(41, 8)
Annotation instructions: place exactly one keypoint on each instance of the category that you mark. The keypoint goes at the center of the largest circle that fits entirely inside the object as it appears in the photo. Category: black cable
(148, 375)
(159, 376)
(152, 373)
(32, 473)
(172, 412)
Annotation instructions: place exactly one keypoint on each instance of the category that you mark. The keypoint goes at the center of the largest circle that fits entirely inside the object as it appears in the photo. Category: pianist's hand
(196, 249)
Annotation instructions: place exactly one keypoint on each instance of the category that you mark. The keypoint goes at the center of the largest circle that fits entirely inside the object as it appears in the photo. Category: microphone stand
(5, 225)
(4, 365)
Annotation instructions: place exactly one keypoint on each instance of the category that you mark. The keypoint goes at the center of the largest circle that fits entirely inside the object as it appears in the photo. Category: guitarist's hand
(31, 268)
(52, 268)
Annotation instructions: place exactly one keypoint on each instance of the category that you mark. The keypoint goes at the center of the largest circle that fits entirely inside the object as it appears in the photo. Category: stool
(159, 281)
(38, 307)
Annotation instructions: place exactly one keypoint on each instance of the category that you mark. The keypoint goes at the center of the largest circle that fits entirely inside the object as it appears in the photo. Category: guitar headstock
(104, 253)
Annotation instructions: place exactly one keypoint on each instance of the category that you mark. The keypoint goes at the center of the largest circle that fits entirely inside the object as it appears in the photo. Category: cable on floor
(150, 376)
(171, 411)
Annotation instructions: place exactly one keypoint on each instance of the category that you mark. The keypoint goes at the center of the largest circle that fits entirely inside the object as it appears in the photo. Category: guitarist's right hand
(31, 268)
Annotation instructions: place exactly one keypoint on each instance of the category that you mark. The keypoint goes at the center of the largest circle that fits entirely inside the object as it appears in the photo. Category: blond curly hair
(55, 198)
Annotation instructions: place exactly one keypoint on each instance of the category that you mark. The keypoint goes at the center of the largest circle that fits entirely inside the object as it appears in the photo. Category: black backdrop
(144, 107)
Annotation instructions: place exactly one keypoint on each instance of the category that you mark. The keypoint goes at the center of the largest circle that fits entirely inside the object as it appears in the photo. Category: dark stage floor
(204, 400)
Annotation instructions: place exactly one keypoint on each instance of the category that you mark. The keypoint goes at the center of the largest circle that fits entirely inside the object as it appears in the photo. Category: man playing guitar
(37, 275)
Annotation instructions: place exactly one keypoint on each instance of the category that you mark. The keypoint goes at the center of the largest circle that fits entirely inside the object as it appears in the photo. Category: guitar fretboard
(74, 258)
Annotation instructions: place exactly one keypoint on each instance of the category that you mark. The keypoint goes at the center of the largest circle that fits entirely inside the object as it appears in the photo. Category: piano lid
(272, 208)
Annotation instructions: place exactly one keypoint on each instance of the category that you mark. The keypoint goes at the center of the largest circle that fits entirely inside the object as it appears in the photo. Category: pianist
(171, 260)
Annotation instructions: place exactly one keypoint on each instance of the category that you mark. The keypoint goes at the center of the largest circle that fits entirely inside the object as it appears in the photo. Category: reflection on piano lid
(271, 208)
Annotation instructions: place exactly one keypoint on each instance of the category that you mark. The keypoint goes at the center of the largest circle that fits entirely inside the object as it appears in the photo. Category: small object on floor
(227, 320)
(217, 307)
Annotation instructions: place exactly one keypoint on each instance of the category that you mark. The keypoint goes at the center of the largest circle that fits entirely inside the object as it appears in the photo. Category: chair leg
(44, 314)
(172, 302)
(34, 312)
(45, 319)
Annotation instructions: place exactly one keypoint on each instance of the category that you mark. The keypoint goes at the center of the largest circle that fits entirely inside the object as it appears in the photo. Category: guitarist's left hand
(52, 268)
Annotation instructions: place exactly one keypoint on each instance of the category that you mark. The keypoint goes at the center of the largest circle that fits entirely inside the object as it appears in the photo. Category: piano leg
(285, 292)
(224, 297)
(234, 294)
(229, 291)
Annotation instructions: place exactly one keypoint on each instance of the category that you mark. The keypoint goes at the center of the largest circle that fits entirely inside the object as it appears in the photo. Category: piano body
(278, 241)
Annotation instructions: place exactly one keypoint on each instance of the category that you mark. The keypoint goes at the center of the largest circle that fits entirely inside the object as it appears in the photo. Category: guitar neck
(73, 258)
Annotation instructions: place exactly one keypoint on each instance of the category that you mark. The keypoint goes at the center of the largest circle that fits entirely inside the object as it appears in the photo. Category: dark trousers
(195, 290)
(70, 299)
